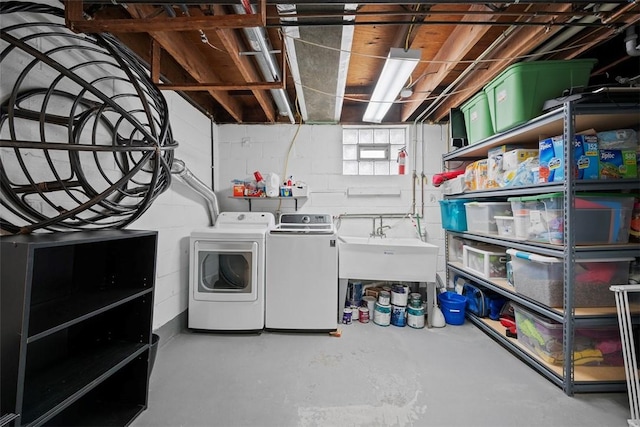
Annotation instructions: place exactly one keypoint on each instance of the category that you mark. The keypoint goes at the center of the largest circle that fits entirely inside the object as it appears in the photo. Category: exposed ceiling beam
(143, 24)
(233, 44)
(521, 41)
(254, 87)
(458, 44)
(181, 48)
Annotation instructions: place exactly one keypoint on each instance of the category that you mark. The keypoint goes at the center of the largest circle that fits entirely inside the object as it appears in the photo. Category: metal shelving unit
(569, 119)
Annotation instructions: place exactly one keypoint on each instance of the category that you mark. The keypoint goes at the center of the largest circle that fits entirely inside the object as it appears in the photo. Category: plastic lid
(544, 259)
(559, 194)
(486, 203)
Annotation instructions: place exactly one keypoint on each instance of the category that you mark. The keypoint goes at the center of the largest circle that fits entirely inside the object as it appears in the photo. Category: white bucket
(382, 315)
(415, 317)
(355, 313)
(400, 295)
(384, 298)
(521, 224)
(371, 301)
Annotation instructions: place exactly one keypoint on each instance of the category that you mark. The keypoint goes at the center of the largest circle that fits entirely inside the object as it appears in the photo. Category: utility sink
(386, 258)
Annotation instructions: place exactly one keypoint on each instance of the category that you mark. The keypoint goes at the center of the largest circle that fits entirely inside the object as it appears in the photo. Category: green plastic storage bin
(477, 118)
(518, 93)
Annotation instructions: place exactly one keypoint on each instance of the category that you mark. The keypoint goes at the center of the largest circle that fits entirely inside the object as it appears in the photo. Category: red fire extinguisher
(402, 160)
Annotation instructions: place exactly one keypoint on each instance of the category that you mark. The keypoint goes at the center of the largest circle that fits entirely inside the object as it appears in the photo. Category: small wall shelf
(250, 199)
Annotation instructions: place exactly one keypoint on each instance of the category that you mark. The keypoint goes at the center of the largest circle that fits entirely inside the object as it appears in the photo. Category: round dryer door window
(225, 272)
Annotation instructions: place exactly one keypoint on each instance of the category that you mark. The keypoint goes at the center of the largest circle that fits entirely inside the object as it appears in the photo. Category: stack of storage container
(516, 96)
(521, 229)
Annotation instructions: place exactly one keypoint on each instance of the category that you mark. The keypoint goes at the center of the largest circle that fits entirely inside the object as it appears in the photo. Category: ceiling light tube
(396, 71)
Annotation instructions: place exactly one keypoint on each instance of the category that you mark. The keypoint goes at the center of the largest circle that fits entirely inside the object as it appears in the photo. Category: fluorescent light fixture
(397, 70)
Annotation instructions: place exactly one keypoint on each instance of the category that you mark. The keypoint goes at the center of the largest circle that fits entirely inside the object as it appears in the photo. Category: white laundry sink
(388, 258)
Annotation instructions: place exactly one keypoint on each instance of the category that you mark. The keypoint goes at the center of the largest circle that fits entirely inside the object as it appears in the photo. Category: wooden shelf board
(581, 373)
(586, 311)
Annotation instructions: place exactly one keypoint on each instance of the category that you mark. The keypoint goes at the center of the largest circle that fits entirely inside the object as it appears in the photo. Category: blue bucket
(452, 306)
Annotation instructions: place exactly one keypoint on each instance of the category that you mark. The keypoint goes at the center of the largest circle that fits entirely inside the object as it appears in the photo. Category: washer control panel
(305, 223)
(300, 218)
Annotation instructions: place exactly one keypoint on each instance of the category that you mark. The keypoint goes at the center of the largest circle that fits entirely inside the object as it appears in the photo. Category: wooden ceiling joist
(521, 41)
(180, 47)
(232, 43)
(458, 44)
(190, 87)
(76, 22)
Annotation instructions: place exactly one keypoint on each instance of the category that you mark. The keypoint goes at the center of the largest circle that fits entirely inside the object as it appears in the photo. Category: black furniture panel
(76, 326)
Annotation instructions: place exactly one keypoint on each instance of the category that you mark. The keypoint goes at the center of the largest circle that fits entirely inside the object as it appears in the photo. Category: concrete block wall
(174, 214)
(179, 210)
(310, 153)
(313, 154)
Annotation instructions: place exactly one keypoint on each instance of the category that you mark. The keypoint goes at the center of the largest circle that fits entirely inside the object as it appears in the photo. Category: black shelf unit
(76, 326)
(567, 120)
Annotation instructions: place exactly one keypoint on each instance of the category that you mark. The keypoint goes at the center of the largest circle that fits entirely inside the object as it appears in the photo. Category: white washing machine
(227, 273)
(302, 274)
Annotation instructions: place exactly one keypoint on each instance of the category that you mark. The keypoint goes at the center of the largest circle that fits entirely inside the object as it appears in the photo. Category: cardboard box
(618, 164)
(238, 190)
(585, 163)
(373, 292)
(454, 186)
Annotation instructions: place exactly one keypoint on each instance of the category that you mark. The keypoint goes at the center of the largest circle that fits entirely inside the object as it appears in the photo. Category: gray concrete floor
(370, 376)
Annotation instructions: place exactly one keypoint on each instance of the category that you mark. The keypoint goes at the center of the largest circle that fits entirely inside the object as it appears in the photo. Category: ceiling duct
(267, 63)
(319, 58)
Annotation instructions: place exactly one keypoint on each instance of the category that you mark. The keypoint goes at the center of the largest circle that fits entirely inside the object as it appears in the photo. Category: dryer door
(224, 271)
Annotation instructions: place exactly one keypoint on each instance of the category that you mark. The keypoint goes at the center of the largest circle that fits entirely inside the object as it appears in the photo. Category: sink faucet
(378, 231)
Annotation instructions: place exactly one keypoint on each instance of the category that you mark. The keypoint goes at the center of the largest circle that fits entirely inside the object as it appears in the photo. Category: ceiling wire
(469, 61)
(411, 27)
(364, 101)
(185, 11)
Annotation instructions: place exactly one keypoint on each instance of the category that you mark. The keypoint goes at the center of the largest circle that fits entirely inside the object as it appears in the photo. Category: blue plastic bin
(453, 214)
(452, 306)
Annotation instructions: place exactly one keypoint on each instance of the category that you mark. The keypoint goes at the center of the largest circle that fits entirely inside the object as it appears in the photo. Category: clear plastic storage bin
(505, 226)
(481, 216)
(541, 278)
(599, 218)
(486, 261)
(592, 346)
(520, 209)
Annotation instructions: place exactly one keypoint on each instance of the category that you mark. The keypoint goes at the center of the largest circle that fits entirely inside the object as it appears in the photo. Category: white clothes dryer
(227, 273)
